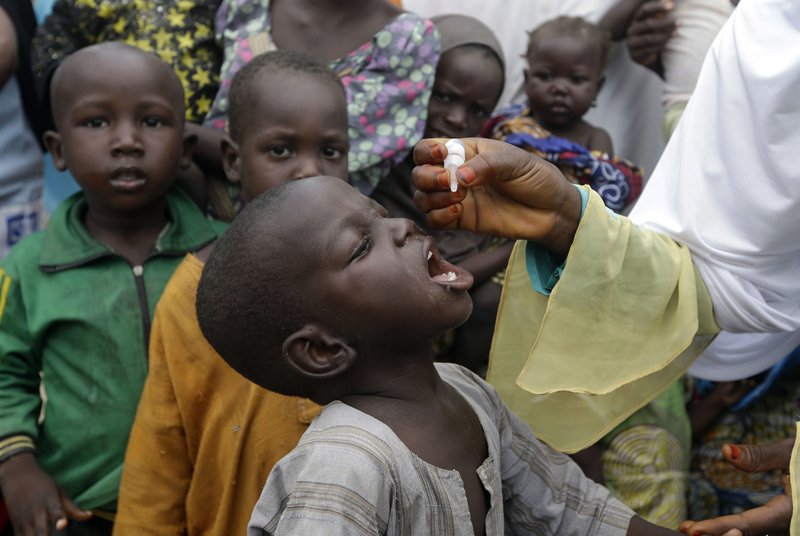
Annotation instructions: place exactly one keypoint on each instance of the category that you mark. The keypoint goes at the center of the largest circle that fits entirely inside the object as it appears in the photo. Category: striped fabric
(350, 474)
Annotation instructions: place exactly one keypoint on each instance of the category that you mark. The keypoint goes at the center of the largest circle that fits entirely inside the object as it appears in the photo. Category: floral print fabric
(388, 81)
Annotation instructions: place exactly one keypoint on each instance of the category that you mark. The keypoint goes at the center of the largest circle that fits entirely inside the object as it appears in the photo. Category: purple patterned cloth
(388, 82)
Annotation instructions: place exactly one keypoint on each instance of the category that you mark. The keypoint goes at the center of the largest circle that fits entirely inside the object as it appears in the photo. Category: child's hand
(772, 518)
(36, 505)
(503, 191)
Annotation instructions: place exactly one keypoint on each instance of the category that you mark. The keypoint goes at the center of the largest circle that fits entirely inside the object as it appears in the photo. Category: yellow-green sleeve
(626, 319)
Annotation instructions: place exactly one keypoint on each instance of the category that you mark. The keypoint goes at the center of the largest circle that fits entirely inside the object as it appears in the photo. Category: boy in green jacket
(76, 300)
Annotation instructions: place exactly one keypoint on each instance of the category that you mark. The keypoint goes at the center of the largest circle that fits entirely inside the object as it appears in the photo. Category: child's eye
(279, 151)
(441, 97)
(153, 122)
(332, 152)
(361, 249)
(95, 122)
(479, 112)
(579, 79)
(544, 77)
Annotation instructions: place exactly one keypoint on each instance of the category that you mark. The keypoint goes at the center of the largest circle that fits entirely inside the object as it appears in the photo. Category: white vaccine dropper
(455, 158)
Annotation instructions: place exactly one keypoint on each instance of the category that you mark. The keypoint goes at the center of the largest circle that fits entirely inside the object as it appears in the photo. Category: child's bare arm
(600, 140)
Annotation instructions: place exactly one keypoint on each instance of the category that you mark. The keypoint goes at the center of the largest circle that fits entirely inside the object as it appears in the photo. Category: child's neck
(433, 421)
(131, 235)
(578, 131)
(338, 27)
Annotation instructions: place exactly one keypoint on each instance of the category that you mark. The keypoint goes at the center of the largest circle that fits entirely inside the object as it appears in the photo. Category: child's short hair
(116, 48)
(244, 265)
(244, 85)
(578, 28)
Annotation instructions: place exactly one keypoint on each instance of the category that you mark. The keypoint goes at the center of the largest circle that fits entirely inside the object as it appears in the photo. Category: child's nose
(308, 167)
(559, 85)
(457, 116)
(126, 140)
(403, 229)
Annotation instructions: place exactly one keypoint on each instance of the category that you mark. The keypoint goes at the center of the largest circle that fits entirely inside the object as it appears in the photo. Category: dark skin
(466, 89)
(562, 81)
(387, 370)
(119, 114)
(646, 26)
(338, 27)
(509, 192)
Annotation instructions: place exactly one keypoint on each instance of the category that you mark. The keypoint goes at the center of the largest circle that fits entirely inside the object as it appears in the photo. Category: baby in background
(566, 60)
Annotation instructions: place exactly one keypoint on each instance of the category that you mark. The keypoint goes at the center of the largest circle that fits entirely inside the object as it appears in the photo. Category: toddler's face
(562, 80)
(120, 129)
(466, 90)
(298, 129)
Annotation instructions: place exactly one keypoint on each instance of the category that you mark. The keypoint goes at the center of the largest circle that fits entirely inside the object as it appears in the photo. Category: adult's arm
(643, 311)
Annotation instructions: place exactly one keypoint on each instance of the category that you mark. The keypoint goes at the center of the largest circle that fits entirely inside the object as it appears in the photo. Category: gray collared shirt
(350, 474)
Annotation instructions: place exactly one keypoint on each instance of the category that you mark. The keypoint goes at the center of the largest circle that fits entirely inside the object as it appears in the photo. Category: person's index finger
(649, 9)
(430, 151)
(757, 458)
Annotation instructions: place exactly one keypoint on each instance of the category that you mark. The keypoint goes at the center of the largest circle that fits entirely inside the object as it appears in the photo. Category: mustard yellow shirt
(204, 439)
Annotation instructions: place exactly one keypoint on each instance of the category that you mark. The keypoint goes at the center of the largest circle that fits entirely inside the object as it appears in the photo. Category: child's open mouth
(445, 273)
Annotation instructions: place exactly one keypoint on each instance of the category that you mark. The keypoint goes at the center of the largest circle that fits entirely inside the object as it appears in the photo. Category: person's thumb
(758, 458)
(71, 511)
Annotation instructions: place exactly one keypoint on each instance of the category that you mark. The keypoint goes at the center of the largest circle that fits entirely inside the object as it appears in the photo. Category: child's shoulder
(24, 254)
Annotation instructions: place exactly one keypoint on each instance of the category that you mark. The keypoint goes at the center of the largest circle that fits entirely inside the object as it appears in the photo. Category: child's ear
(230, 158)
(600, 85)
(316, 353)
(527, 74)
(52, 140)
(189, 143)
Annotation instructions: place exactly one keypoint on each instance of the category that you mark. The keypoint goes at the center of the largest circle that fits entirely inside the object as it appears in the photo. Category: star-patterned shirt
(180, 32)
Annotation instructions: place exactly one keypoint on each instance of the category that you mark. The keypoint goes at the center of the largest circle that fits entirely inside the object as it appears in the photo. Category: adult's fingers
(651, 40)
(653, 9)
(430, 151)
(429, 201)
(758, 458)
(772, 518)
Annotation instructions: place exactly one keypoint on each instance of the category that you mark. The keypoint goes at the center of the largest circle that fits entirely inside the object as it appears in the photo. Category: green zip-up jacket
(77, 315)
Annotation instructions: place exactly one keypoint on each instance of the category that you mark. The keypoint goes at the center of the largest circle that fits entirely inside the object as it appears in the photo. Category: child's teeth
(430, 254)
(451, 276)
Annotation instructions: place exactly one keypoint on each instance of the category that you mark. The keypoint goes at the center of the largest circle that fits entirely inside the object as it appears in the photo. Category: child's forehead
(564, 48)
(99, 71)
